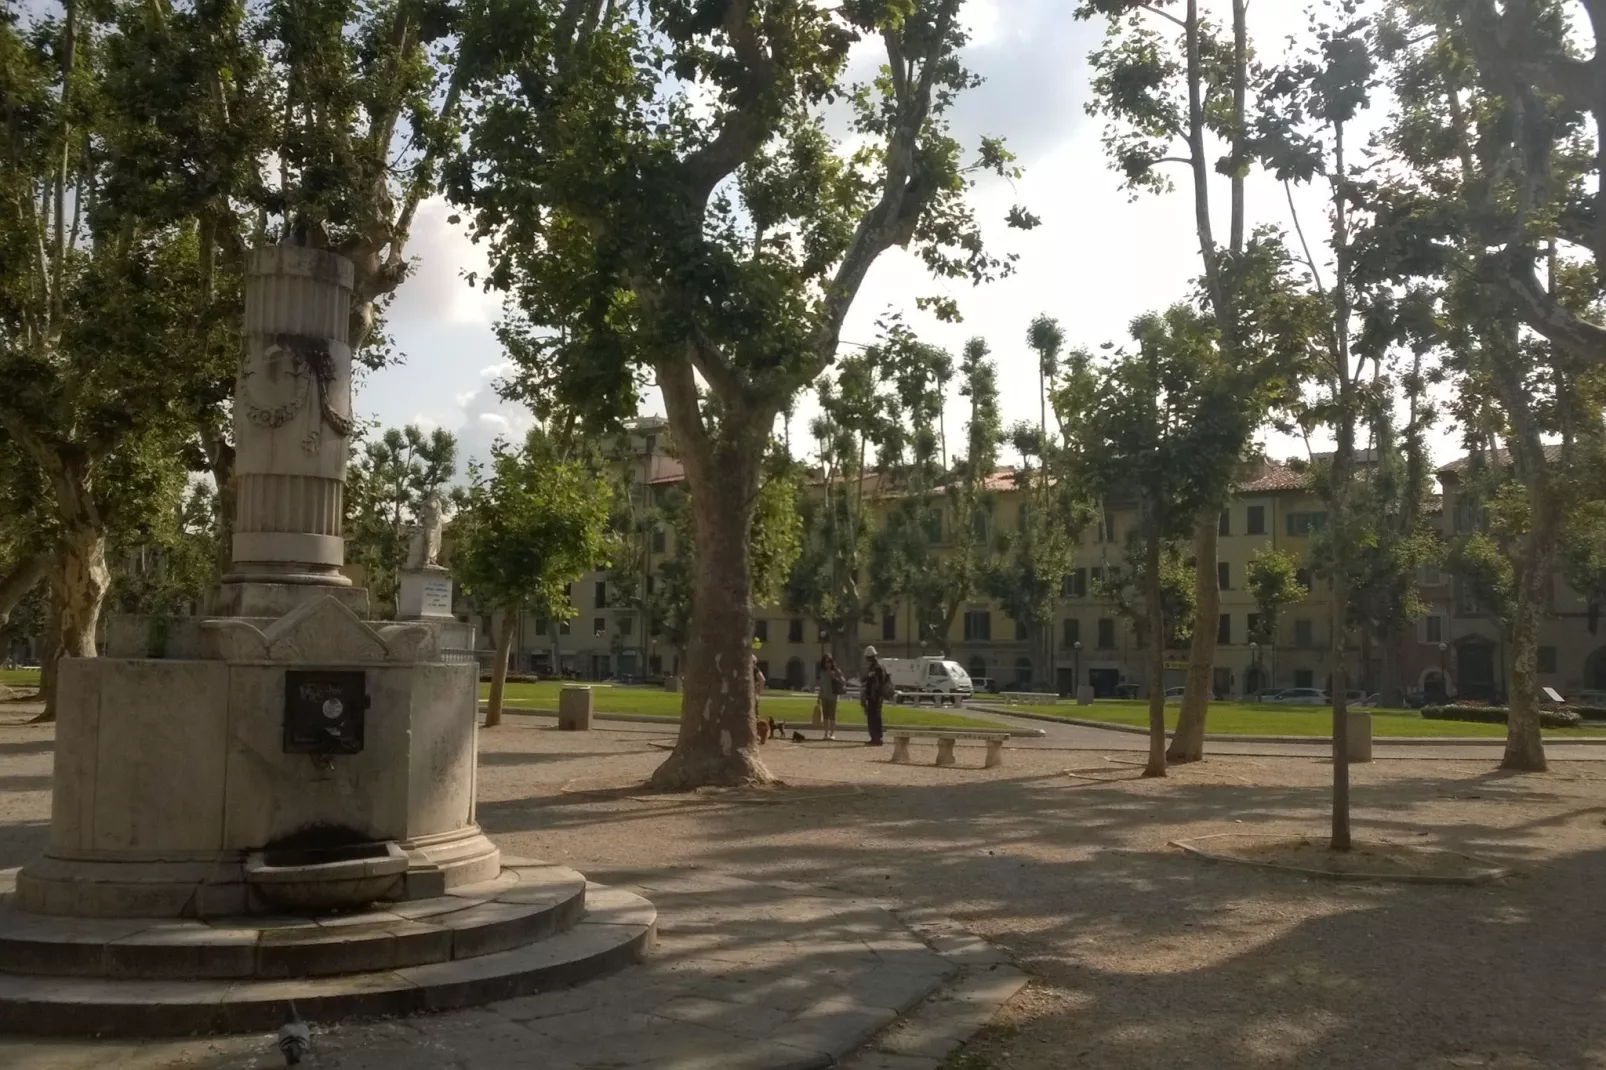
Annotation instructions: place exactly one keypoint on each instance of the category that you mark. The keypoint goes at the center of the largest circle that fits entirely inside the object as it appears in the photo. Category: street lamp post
(1254, 659)
(1444, 670)
(1076, 685)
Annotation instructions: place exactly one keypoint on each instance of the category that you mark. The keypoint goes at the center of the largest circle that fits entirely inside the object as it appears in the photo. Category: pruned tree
(535, 520)
(1146, 429)
(1172, 87)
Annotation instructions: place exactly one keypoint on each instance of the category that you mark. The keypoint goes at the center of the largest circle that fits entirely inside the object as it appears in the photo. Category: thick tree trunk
(1188, 743)
(1156, 607)
(504, 651)
(19, 580)
(1525, 750)
(78, 582)
(220, 459)
(718, 739)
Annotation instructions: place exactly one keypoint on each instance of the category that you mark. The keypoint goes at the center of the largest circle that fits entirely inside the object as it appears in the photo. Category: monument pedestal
(424, 594)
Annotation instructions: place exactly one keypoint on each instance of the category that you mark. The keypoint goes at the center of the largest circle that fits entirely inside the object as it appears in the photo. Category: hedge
(1550, 717)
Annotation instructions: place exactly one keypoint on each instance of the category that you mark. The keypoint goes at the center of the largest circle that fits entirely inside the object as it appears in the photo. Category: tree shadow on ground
(1157, 959)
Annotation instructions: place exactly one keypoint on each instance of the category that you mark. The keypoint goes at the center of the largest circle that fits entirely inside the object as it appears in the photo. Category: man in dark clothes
(872, 692)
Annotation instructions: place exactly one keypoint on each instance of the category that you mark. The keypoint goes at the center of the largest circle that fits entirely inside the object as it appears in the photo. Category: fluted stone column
(292, 420)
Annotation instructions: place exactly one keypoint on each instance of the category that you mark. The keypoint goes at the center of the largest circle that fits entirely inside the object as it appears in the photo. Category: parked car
(1303, 696)
(1126, 690)
(1270, 694)
(1174, 694)
(984, 685)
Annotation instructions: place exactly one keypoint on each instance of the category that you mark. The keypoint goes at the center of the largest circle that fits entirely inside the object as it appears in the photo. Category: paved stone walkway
(746, 976)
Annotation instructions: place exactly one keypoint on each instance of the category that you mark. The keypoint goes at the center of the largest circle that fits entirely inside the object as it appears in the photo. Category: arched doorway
(794, 674)
(1595, 670)
(1433, 687)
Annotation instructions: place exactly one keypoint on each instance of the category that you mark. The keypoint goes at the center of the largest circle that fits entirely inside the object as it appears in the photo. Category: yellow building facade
(1455, 649)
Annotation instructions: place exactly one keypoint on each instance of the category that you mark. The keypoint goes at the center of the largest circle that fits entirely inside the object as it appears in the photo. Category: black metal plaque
(323, 711)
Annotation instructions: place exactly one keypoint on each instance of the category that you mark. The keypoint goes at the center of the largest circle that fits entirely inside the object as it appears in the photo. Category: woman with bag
(832, 685)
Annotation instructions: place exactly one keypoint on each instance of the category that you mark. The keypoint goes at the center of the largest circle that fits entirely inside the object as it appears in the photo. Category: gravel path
(1141, 957)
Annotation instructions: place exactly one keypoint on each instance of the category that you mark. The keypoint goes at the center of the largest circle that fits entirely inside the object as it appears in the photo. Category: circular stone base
(1368, 860)
(533, 928)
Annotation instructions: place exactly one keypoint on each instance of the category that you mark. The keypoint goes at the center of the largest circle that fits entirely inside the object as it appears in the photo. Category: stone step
(525, 903)
(617, 930)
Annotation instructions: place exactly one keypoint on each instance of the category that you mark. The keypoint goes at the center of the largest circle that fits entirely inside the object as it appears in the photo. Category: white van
(938, 679)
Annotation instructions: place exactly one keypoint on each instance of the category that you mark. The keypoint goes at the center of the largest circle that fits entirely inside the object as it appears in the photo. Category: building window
(601, 599)
(1306, 523)
(1304, 634)
(1223, 575)
(658, 540)
(1547, 659)
(540, 626)
(978, 625)
(650, 584)
(1224, 629)
(978, 525)
(563, 627)
(1106, 633)
(651, 445)
(568, 590)
(1020, 630)
(1302, 577)
(1224, 526)
(1433, 629)
(794, 630)
(1304, 678)
(1429, 576)
(1072, 630)
(1257, 520)
(889, 627)
(1095, 576)
(599, 625)
(1256, 623)
(761, 630)
(627, 625)
(1078, 581)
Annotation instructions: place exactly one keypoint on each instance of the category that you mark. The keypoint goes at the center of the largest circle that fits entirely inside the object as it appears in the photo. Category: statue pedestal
(424, 594)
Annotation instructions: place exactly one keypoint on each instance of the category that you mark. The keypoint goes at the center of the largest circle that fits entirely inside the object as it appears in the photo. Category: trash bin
(1359, 735)
(574, 709)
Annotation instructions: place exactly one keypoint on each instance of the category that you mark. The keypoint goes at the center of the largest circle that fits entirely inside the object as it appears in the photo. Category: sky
(1099, 259)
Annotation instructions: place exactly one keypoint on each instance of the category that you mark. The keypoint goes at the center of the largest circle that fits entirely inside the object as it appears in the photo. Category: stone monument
(424, 589)
(289, 793)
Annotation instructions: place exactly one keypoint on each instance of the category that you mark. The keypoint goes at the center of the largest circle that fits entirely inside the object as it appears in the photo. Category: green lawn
(781, 705)
(1263, 719)
(19, 677)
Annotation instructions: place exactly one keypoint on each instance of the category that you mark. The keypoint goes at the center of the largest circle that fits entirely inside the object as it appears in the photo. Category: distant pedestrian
(832, 685)
(872, 693)
(758, 684)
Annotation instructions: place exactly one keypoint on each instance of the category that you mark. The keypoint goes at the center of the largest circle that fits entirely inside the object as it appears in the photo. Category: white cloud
(438, 289)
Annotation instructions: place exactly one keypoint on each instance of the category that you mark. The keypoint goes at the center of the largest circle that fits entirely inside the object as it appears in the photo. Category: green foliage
(1126, 587)
(535, 521)
(168, 567)
(1273, 580)
(387, 482)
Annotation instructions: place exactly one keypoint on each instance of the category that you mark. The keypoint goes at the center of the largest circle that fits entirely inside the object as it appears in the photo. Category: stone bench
(945, 744)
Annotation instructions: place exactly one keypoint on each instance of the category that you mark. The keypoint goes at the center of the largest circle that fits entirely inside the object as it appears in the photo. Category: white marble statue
(425, 550)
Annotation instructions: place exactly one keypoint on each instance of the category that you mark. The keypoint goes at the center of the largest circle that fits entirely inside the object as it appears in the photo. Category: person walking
(872, 692)
(831, 686)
